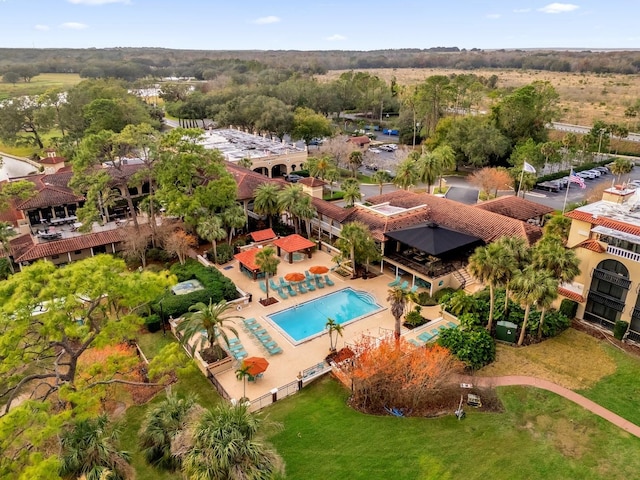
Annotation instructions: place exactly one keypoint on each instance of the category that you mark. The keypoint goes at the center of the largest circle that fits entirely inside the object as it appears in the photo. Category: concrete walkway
(555, 388)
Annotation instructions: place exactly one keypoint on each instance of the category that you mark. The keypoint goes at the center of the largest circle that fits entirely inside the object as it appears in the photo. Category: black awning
(434, 240)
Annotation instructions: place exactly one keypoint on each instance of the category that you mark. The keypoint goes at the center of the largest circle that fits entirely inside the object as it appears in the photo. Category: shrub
(443, 295)
(424, 299)
(414, 318)
(225, 253)
(555, 322)
(568, 308)
(619, 329)
(158, 255)
(475, 347)
(153, 322)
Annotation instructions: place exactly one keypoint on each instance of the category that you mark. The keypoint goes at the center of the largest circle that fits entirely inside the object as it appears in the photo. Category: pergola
(247, 261)
(294, 243)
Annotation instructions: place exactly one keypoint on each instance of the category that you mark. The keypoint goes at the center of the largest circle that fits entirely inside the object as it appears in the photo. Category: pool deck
(284, 367)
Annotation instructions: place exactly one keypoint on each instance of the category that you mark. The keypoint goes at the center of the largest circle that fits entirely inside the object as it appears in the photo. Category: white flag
(528, 168)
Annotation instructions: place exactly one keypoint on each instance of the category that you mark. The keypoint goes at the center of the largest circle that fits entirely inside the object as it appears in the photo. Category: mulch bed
(265, 302)
(600, 334)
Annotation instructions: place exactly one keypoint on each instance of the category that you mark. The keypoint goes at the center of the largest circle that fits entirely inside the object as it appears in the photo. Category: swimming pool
(307, 320)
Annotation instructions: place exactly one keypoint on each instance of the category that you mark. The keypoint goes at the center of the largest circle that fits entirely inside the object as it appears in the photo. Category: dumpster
(506, 331)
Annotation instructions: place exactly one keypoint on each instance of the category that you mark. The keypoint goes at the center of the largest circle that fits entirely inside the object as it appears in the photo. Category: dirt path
(562, 391)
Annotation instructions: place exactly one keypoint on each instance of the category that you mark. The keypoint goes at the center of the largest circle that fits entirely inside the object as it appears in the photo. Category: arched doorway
(607, 294)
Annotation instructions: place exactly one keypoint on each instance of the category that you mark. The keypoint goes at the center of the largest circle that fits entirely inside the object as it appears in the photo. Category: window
(54, 257)
(77, 252)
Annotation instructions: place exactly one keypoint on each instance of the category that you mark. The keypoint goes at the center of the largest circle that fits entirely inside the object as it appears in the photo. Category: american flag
(573, 178)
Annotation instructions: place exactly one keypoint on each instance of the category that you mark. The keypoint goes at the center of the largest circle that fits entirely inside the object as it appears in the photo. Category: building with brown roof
(518, 208)
(606, 238)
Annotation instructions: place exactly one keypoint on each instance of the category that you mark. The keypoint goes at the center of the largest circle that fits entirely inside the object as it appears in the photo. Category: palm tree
(516, 248)
(224, 446)
(428, 169)
(491, 265)
(406, 173)
(318, 167)
(289, 197)
(210, 228)
(351, 194)
(551, 254)
(241, 374)
(268, 263)
(332, 326)
(528, 287)
(304, 211)
(548, 294)
(161, 423)
(233, 218)
(621, 166)
(351, 235)
(266, 202)
(89, 449)
(558, 226)
(6, 232)
(381, 177)
(398, 298)
(446, 158)
(355, 161)
(211, 318)
(332, 176)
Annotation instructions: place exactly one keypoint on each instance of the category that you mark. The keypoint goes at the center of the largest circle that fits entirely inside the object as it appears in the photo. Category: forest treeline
(134, 63)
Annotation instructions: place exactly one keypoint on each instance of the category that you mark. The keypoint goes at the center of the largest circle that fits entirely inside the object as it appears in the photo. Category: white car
(375, 150)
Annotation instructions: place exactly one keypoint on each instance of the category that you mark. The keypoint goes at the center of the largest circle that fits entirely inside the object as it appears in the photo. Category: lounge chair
(425, 336)
(284, 283)
(270, 344)
(249, 321)
(310, 286)
(281, 294)
(328, 281)
(259, 332)
(435, 332)
(404, 285)
(414, 289)
(240, 355)
(274, 350)
(394, 283)
(301, 288)
(236, 348)
(234, 341)
(273, 284)
(308, 275)
(319, 283)
(452, 325)
(263, 286)
(292, 292)
(413, 341)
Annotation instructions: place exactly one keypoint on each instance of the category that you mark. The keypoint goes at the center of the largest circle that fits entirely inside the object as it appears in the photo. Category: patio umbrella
(318, 269)
(294, 277)
(255, 365)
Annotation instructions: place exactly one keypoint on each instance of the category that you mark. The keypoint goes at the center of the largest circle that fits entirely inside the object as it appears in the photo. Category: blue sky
(319, 25)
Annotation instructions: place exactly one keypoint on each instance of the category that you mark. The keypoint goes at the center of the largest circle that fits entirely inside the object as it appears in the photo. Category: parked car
(597, 173)
(372, 166)
(293, 178)
(604, 170)
(586, 175)
(375, 150)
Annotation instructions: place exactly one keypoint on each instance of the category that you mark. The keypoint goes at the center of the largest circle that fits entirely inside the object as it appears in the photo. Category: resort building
(606, 239)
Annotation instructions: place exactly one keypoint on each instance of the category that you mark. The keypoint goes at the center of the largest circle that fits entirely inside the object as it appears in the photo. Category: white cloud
(42, 28)
(522, 10)
(336, 38)
(97, 2)
(493, 16)
(266, 20)
(74, 26)
(558, 8)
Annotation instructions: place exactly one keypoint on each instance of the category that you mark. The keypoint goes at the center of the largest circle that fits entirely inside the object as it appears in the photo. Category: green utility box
(506, 331)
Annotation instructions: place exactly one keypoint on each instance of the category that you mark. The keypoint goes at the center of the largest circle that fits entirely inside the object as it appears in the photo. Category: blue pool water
(308, 319)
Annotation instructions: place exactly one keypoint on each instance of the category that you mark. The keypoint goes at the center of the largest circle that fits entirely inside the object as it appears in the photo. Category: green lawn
(539, 436)
(39, 84)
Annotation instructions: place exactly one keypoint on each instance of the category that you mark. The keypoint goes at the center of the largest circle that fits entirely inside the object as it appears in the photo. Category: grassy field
(539, 436)
(39, 84)
(584, 97)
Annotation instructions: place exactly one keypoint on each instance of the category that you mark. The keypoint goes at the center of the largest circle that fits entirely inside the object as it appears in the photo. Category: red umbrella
(294, 277)
(255, 365)
(318, 269)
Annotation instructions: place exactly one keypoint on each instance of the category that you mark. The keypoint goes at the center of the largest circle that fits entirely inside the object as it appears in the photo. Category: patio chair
(249, 321)
(328, 281)
(263, 286)
(413, 341)
(452, 325)
(394, 283)
(435, 332)
(291, 291)
(301, 288)
(270, 344)
(404, 285)
(236, 348)
(259, 333)
(281, 293)
(319, 283)
(234, 341)
(308, 275)
(283, 282)
(414, 289)
(273, 284)
(425, 336)
(240, 355)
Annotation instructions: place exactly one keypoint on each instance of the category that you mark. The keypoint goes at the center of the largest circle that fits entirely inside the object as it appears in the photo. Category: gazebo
(247, 260)
(263, 235)
(294, 243)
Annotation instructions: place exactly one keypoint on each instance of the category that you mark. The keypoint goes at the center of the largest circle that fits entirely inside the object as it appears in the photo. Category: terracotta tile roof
(52, 160)
(58, 247)
(50, 196)
(331, 210)
(19, 245)
(248, 258)
(592, 245)
(604, 221)
(380, 224)
(463, 218)
(248, 180)
(312, 182)
(262, 235)
(293, 243)
(571, 295)
(515, 207)
(361, 140)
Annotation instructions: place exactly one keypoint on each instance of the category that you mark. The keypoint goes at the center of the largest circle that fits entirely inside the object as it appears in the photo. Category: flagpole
(520, 184)
(564, 205)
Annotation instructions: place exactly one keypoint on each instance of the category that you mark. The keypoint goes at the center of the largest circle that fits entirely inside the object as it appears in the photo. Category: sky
(319, 25)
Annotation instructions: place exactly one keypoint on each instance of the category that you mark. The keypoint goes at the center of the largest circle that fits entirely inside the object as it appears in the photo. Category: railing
(458, 276)
(635, 313)
(610, 302)
(431, 271)
(623, 282)
(219, 388)
(608, 324)
(312, 372)
(277, 393)
(621, 252)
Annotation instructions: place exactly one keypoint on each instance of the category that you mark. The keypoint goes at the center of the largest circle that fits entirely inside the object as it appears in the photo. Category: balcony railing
(608, 324)
(431, 270)
(621, 252)
(607, 301)
(616, 279)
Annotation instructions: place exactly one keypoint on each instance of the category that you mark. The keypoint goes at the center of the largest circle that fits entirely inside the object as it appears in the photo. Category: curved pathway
(584, 402)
